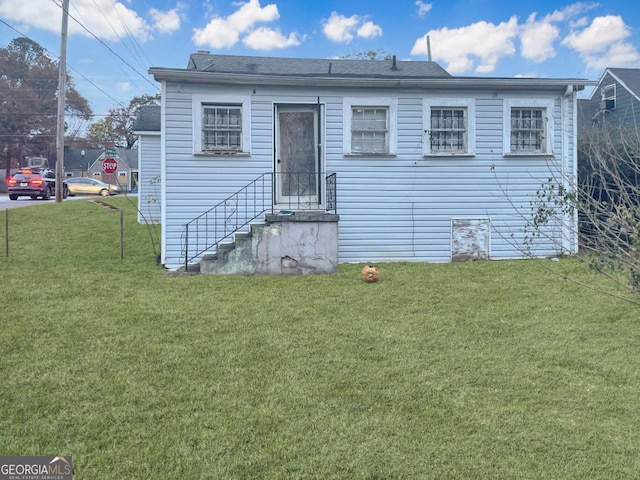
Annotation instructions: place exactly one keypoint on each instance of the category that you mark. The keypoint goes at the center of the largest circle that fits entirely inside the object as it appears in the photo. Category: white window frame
(384, 102)
(469, 104)
(608, 93)
(242, 101)
(548, 107)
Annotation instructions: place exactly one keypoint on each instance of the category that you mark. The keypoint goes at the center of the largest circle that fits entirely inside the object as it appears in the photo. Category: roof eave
(181, 75)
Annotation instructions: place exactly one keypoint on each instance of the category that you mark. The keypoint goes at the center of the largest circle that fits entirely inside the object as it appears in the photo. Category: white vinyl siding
(149, 179)
(398, 210)
(449, 127)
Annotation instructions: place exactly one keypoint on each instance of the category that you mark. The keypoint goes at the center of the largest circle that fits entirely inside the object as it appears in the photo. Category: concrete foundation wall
(298, 244)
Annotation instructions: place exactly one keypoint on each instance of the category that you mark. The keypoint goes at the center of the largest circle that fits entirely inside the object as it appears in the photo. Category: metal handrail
(298, 191)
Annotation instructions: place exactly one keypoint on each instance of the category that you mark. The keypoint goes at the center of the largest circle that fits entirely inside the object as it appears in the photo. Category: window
(370, 126)
(369, 130)
(608, 96)
(449, 127)
(448, 130)
(221, 124)
(221, 128)
(527, 130)
(528, 127)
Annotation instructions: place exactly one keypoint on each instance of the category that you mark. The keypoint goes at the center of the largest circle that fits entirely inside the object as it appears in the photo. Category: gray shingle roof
(206, 62)
(148, 119)
(630, 77)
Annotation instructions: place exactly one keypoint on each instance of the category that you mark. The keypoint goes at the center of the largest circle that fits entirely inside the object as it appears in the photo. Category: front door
(297, 173)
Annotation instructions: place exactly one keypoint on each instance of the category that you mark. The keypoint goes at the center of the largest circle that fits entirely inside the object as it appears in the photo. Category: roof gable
(627, 78)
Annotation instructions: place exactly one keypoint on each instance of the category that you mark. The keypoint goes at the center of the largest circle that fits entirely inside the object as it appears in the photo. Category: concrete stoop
(301, 243)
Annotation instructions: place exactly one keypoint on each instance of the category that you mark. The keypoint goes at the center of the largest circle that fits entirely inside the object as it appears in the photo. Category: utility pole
(62, 78)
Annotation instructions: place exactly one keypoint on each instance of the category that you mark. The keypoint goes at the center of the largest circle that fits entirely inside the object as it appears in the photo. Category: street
(6, 204)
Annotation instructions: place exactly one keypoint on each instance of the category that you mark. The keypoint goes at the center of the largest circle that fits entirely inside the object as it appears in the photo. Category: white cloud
(598, 36)
(265, 38)
(369, 30)
(223, 32)
(478, 46)
(251, 13)
(104, 18)
(602, 43)
(165, 22)
(341, 29)
(526, 75)
(570, 11)
(423, 8)
(537, 39)
(579, 23)
(618, 55)
(123, 86)
(217, 34)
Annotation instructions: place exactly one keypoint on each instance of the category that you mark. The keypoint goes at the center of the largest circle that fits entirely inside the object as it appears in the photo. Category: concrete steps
(300, 244)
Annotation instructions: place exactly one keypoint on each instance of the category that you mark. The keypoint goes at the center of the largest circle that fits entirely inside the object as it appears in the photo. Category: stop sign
(109, 165)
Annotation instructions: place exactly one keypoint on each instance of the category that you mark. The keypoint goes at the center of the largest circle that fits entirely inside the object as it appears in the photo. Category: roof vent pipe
(395, 65)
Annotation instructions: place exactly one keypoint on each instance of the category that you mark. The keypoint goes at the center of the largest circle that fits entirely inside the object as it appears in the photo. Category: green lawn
(446, 371)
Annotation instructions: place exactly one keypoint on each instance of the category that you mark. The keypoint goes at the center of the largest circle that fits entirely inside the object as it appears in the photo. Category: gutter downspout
(569, 167)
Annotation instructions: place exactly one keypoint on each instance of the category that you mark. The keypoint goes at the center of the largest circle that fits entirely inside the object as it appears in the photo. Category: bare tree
(606, 201)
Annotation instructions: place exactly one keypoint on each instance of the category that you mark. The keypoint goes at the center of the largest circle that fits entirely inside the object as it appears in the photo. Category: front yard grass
(444, 371)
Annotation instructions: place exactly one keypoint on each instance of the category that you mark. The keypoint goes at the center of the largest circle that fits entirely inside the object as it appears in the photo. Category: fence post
(121, 236)
(6, 231)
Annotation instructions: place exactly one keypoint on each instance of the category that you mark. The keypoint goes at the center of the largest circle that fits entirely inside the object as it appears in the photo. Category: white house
(147, 128)
(428, 166)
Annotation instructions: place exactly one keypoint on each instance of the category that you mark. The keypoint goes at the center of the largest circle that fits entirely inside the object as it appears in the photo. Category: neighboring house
(429, 167)
(147, 127)
(76, 162)
(614, 101)
(126, 176)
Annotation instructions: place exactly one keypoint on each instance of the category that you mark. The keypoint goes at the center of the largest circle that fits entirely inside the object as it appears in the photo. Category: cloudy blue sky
(112, 43)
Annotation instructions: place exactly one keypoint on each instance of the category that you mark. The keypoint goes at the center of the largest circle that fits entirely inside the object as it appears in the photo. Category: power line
(79, 73)
(110, 49)
(118, 64)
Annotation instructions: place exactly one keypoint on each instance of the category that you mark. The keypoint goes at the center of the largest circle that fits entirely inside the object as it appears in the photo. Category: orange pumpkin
(370, 274)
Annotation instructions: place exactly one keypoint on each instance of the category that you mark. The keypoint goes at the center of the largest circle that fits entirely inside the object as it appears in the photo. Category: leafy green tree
(100, 133)
(28, 101)
(117, 126)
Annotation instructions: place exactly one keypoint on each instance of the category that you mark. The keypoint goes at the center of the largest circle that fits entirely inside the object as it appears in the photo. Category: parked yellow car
(90, 186)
